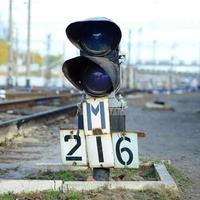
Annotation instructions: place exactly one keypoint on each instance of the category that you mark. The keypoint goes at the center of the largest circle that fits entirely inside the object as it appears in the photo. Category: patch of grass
(74, 195)
(48, 195)
(7, 197)
(52, 195)
(122, 194)
(154, 194)
(143, 173)
(150, 195)
(78, 175)
(99, 194)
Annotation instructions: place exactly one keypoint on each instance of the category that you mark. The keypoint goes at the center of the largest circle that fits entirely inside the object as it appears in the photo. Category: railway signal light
(101, 138)
(96, 70)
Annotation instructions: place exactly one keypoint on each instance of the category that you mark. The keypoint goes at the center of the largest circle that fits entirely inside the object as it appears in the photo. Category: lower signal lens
(96, 81)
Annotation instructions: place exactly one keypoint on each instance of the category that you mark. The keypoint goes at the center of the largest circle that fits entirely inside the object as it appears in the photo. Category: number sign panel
(73, 150)
(96, 115)
(125, 148)
(100, 152)
(119, 151)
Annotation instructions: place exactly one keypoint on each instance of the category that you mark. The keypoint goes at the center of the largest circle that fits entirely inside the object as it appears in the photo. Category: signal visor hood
(100, 28)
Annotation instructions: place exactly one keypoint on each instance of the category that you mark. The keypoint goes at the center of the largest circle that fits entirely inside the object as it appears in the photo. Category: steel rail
(25, 100)
(19, 103)
(20, 120)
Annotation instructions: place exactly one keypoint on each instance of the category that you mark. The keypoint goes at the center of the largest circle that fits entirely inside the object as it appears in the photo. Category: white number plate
(125, 148)
(96, 115)
(100, 152)
(73, 150)
(118, 151)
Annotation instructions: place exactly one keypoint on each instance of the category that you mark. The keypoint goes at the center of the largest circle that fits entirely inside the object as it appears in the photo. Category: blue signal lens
(97, 40)
(95, 80)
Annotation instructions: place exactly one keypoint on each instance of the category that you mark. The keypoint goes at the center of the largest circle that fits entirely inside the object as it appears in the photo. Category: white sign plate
(125, 148)
(73, 149)
(96, 115)
(100, 152)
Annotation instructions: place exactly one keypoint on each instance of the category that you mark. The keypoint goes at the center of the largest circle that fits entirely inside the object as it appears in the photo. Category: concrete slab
(155, 106)
(93, 185)
(17, 186)
(165, 177)
(166, 181)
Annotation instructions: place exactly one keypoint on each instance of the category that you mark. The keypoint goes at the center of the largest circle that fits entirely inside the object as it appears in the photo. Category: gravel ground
(36, 143)
(173, 135)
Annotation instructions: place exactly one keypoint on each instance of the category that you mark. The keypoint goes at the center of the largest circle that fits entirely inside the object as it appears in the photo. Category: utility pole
(199, 67)
(16, 59)
(171, 74)
(154, 51)
(139, 45)
(28, 54)
(128, 72)
(63, 58)
(9, 81)
(47, 63)
(171, 70)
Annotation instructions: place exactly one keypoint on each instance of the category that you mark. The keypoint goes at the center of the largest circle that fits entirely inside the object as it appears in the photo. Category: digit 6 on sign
(120, 151)
(125, 150)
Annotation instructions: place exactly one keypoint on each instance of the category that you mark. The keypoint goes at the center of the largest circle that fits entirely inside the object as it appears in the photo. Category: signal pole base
(101, 174)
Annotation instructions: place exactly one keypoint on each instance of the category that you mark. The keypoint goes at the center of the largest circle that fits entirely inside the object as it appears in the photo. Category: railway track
(30, 102)
(20, 120)
(23, 110)
(17, 112)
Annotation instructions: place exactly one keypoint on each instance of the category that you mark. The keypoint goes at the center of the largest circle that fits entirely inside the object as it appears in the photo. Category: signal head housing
(96, 70)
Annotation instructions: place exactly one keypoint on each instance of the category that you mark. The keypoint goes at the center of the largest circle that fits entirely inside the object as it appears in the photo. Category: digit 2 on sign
(73, 150)
(125, 148)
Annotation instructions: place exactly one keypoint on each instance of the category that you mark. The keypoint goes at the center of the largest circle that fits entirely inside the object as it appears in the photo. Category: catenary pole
(10, 53)
(28, 53)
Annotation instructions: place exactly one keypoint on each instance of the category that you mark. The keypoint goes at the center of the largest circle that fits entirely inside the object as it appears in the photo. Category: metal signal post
(101, 139)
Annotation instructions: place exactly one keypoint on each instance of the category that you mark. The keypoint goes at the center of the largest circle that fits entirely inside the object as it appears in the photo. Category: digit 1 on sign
(100, 151)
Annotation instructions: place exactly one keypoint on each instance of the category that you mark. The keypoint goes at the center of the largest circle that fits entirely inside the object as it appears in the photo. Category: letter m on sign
(96, 115)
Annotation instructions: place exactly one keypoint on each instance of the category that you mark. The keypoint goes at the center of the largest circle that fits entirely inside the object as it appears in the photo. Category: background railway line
(23, 110)
(19, 111)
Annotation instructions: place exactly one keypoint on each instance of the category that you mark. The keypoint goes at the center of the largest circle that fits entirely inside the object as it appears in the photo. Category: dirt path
(173, 135)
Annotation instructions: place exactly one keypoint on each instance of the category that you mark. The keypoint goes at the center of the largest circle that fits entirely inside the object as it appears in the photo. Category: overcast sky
(173, 20)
